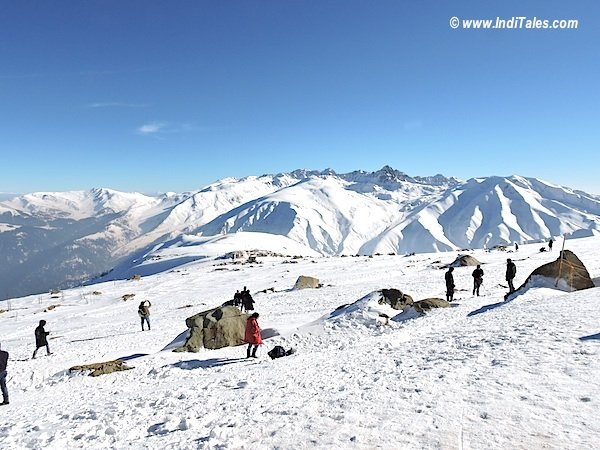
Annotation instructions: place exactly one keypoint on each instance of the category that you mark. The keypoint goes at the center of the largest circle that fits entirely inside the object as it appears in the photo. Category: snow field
(482, 374)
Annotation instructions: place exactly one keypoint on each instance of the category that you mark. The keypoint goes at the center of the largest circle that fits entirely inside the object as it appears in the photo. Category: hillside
(483, 374)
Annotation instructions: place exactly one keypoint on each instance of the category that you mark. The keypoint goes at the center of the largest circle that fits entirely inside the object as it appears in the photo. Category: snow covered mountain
(52, 240)
(59, 239)
(383, 213)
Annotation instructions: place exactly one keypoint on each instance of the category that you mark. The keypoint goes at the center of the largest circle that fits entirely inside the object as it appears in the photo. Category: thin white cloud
(117, 105)
(158, 128)
(152, 128)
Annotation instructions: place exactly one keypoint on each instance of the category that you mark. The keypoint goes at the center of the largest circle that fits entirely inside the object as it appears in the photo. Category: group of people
(251, 336)
(243, 300)
(511, 272)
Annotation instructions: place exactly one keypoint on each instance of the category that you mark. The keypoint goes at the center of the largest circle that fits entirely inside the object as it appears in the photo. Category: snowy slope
(483, 374)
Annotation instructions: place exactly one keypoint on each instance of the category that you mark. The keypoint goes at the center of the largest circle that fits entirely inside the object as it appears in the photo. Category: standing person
(511, 271)
(144, 313)
(550, 242)
(477, 279)
(3, 362)
(252, 335)
(516, 247)
(237, 299)
(449, 284)
(247, 300)
(41, 338)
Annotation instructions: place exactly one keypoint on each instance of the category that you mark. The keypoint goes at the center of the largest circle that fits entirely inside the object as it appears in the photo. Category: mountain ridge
(47, 238)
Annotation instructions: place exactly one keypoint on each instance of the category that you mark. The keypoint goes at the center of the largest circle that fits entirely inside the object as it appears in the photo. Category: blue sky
(169, 96)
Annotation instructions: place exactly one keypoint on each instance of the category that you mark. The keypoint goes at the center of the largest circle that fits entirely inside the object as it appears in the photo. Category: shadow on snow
(102, 337)
(130, 357)
(486, 308)
(591, 337)
(207, 363)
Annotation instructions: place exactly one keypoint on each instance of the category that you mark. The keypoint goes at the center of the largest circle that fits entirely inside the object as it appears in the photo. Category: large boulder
(215, 328)
(567, 273)
(305, 282)
(464, 260)
(395, 298)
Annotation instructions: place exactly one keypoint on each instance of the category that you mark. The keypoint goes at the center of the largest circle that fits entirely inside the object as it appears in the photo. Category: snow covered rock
(566, 274)
(367, 311)
(304, 282)
(215, 328)
(396, 298)
(464, 260)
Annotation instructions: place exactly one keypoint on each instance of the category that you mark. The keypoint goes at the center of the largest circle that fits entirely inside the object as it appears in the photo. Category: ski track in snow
(484, 374)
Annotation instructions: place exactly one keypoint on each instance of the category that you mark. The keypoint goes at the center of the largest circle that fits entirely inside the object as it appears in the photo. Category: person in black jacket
(511, 271)
(247, 300)
(144, 313)
(449, 284)
(41, 338)
(3, 362)
(237, 299)
(477, 279)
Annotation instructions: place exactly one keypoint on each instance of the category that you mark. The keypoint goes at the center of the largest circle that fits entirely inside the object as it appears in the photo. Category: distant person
(237, 299)
(247, 300)
(550, 242)
(449, 284)
(144, 313)
(516, 247)
(252, 335)
(511, 271)
(41, 338)
(477, 279)
(3, 362)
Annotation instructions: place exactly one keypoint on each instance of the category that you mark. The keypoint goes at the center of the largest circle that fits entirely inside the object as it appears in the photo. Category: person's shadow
(486, 308)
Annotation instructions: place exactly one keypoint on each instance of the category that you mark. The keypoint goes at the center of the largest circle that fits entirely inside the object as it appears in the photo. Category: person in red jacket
(252, 335)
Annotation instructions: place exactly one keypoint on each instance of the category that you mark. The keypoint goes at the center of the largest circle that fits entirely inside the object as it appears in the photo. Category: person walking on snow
(144, 313)
(252, 335)
(477, 279)
(449, 284)
(41, 339)
(511, 271)
(3, 362)
(550, 242)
